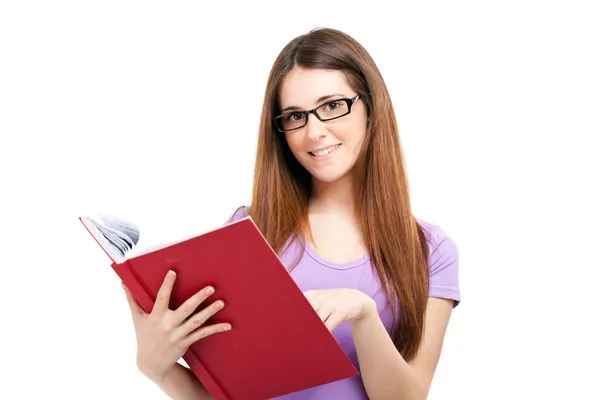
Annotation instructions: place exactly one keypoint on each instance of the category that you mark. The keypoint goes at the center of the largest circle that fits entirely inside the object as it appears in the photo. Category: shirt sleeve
(240, 212)
(444, 282)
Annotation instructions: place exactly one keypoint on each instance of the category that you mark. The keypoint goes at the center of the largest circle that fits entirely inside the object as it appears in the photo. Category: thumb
(135, 308)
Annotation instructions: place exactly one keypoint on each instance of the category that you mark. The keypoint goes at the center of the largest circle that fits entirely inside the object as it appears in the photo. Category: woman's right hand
(164, 335)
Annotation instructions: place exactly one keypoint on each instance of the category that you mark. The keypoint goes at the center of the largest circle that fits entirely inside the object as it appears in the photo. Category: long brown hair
(282, 187)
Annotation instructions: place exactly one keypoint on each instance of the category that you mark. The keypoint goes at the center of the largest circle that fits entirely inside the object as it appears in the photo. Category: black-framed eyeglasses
(333, 109)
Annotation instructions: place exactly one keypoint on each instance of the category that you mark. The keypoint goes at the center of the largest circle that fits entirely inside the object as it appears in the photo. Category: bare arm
(164, 335)
(181, 384)
(386, 375)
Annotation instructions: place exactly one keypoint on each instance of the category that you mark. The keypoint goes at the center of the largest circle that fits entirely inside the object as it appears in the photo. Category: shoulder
(437, 238)
(443, 262)
(241, 212)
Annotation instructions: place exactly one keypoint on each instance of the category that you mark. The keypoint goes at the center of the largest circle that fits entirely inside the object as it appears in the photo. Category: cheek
(350, 137)
(294, 142)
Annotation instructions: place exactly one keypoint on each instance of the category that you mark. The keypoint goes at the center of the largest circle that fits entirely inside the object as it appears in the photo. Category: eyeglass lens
(295, 119)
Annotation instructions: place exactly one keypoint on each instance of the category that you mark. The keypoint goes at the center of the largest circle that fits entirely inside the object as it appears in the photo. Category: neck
(336, 197)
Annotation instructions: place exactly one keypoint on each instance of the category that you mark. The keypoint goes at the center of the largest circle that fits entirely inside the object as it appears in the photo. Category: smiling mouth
(324, 152)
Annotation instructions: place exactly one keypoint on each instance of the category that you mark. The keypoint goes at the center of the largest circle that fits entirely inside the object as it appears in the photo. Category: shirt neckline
(315, 256)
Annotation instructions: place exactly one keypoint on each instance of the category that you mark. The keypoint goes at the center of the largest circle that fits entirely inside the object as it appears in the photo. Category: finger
(314, 299)
(333, 321)
(310, 295)
(191, 304)
(205, 331)
(164, 294)
(323, 314)
(133, 305)
(200, 318)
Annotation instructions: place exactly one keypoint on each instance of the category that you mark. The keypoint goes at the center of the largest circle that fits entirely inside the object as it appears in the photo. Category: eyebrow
(320, 99)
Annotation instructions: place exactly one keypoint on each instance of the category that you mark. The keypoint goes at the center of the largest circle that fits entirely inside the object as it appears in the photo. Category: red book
(277, 345)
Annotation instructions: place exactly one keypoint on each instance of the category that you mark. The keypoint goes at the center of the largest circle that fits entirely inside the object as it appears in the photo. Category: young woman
(331, 197)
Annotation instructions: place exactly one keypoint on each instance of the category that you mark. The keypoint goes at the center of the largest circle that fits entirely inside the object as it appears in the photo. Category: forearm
(182, 384)
(385, 373)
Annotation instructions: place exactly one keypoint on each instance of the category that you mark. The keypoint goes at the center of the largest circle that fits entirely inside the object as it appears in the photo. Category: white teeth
(326, 151)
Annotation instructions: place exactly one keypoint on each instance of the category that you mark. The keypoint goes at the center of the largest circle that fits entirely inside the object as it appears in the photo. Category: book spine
(139, 293)
(201, 373)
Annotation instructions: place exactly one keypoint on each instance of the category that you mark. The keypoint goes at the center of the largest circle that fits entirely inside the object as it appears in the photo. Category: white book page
(113, 239)
(139, 250)
(110, 249)
(118, 224)
(120, 234)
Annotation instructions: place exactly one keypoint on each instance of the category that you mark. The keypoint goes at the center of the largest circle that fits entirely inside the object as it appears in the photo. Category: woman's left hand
(335, 306)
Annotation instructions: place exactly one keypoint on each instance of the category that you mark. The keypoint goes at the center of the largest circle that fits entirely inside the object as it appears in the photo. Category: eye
(293, 117)
(333, 105)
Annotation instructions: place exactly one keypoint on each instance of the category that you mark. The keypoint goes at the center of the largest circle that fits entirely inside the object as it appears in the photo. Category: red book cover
(277, 345)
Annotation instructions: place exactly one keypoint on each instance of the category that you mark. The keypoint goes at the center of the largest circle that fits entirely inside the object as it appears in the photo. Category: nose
(315, 128)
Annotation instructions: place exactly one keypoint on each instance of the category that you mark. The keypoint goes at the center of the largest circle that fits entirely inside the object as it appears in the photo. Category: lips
(324, 152)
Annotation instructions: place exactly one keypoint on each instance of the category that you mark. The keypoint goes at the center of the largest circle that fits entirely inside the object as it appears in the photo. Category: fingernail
(220, 304)
(210, 290)
(227, 327)
(171, 273)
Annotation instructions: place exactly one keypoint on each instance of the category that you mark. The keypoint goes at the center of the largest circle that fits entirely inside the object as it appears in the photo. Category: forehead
(302, 87)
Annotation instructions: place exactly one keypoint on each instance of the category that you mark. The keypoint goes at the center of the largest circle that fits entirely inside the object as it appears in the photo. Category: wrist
(369, 317)
(171, 376)
(180, 382)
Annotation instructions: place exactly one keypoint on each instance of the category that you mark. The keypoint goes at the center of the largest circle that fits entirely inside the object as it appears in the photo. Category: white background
(149, 110)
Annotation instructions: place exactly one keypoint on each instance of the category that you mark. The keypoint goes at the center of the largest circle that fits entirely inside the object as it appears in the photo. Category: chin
(328, 176)
(326, 172)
